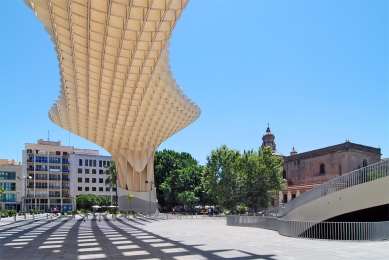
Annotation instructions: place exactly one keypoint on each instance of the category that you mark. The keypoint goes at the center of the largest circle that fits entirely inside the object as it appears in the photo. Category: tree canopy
(177, 178)
(86, 201)
(112, 177)
(251, 179)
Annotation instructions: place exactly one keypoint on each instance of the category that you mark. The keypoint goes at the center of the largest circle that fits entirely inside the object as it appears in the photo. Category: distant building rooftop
(9, 162)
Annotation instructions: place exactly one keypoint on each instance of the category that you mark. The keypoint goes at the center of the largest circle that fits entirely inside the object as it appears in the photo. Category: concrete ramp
(363, 196)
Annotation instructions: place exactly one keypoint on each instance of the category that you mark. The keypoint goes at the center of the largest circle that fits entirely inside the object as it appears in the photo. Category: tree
(103, 200)
(187, 198)
(175, 173)
(86, 201)
(261, 177)
(1, 190)
(130, 198)
(250, 179)
(221, 178)
(112, 177)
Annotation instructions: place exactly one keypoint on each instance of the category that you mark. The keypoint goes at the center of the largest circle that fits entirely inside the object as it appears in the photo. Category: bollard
(100, 217)
(196, 214)
(180, 217)
(203, 216)
(25, 215)
(167, 216)
(213, 216)
(51, 218)
(47, 216)
(33, 218)
(15, 218)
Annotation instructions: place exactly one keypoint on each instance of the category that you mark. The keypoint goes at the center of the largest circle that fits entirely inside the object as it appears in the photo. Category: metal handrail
(349, 231)
(360, 176)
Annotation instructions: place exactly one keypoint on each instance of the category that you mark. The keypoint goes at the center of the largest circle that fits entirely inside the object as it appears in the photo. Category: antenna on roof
(48, 135)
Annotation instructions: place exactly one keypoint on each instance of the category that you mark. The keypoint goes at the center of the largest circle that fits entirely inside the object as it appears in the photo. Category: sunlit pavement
(185, 238)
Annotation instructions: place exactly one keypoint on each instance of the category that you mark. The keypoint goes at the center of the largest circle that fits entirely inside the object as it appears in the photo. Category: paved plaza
(176, 238)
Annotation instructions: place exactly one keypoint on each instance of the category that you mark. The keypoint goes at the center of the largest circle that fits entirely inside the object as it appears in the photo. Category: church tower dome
(268, 139)
(293, 152)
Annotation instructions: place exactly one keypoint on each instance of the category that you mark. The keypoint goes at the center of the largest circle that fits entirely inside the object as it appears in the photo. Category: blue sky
(316, 71)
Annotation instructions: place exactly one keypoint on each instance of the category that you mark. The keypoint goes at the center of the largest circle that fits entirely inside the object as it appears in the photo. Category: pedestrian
(174, 211)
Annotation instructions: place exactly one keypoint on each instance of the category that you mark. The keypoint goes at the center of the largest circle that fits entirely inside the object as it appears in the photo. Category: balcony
(65, 178)
(54, 187)
(65, 170)
(37, 195)
(65, 187)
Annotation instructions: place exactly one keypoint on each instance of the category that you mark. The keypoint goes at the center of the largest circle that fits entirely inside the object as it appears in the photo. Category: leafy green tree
(1, 191)
(176, 173)
(221, 177)
(261, 177)
(187, 198)
(103, 200)
(130, 198)
(112, 177)
(86, 201)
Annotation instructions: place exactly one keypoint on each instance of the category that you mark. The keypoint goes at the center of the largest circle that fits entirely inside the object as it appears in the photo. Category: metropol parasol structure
(117, 88)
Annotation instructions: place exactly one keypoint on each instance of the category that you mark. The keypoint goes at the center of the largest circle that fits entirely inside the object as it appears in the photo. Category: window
(101, 189)
(79, 188)
(86, 188)
(284, 174)
(93, 171)
(86, 171)
(113, 189)
(322, 169)
(107, 189)
(364, 163)
(101, 180)
(79, 170)
(100, 163)
(104, 163)
(101, 171)
(79, 162)
(80, 180)
(94, 163)
(93, 188)
(93, 180)
(8, 186)
(7, 175)
(90, 162)
(86, 162)
(86, 180)
(108, 163)
(340, 169)
(285, 198)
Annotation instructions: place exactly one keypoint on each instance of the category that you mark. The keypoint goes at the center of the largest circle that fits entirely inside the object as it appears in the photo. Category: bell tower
(268, 139)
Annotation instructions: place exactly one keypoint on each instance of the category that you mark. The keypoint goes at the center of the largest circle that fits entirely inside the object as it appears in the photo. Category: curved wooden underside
(117, 87)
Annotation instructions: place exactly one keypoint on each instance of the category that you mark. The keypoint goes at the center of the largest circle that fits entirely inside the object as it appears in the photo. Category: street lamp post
(16, 196)
(151, 188)
(26, 178)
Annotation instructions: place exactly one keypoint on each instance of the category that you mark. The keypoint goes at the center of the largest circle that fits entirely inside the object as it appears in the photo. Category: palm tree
(112, 178)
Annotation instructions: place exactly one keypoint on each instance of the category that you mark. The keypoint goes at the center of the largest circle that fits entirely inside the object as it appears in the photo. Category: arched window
(322, 169)
(284, 174)
(364, 163)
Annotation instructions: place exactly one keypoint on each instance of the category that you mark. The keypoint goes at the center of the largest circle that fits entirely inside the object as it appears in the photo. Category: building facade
(304, 171)
(53, 175)
(10, 181)
(88, 174)
(46, 170)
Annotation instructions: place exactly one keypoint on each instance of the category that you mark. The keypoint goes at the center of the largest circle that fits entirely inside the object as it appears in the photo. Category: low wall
(350, 231)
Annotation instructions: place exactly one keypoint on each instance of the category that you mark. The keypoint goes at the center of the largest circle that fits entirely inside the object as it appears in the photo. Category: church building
(304, 171)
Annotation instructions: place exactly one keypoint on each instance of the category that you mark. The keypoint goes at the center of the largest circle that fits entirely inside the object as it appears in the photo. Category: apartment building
(10, 181)
(88, 173)
(53, 175)
(46, 174)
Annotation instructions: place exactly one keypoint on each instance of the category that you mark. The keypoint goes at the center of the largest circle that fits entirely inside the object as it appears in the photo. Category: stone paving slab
(176, 238)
